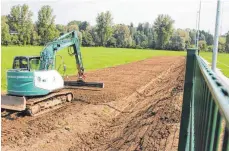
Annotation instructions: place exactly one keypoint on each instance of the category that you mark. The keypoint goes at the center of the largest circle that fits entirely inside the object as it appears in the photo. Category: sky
(183, 12)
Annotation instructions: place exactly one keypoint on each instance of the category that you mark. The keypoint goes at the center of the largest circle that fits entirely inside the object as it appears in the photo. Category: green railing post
(184, 136)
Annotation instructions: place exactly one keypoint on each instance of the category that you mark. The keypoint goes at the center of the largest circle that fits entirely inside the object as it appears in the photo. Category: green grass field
(222, 61)
(94, 57)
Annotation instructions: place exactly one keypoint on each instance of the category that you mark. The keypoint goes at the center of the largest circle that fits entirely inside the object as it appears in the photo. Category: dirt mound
(139, 109)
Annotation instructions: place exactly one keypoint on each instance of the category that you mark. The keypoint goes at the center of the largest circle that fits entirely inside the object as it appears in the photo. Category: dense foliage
(18, 29)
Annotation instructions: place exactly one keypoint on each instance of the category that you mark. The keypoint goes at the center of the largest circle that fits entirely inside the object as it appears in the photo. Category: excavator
(35, 86)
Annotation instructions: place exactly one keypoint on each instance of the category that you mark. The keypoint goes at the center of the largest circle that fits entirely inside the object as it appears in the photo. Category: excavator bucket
(17, 103)
(83, 84)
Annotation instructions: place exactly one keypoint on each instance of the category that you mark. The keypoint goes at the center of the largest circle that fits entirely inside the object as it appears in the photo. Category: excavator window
(26, 63)
(20, 63)
(16, 64)
(34, 63)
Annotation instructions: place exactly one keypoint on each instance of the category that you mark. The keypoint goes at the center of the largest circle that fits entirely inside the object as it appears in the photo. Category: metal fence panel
(205, 106)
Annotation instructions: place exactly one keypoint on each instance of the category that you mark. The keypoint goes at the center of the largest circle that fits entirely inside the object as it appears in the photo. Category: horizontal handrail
(219, 92)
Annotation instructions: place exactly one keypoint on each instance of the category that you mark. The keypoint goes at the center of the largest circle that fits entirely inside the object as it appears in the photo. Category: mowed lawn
(93, 57)
(97, 58)
(222, 61)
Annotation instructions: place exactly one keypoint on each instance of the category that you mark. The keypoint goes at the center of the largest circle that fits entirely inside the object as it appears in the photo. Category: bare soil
(139, 109)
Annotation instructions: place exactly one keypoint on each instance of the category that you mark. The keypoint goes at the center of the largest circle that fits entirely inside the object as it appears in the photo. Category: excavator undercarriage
(37, 105)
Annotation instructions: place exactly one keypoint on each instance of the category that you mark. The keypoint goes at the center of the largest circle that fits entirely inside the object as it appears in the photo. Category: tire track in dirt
(119, 117)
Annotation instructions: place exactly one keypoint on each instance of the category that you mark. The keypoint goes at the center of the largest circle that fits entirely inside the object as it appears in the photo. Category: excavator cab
(28, 63)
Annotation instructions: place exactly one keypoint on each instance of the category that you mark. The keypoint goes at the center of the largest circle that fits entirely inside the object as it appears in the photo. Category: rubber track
(32, 101)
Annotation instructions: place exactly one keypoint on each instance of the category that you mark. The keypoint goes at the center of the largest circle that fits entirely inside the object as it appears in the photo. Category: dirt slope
(139, 109)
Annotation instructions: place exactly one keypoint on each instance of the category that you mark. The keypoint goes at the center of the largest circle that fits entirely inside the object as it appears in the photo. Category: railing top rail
(219, 92)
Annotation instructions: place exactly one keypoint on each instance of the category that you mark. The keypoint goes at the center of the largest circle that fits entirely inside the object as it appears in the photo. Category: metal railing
(205, 111)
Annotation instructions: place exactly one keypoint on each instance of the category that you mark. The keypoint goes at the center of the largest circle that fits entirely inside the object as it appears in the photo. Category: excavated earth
(139, 109)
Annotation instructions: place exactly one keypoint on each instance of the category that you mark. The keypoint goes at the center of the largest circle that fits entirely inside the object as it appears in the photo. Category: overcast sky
(184, 12)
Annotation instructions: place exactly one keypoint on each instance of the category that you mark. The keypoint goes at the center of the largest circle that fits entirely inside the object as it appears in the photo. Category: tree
(163, 26)
(149, 32)
(14, 39)
(35, 39)
(137, 38)
(146, 28)
(222, 44)
(26, 24)
(61, 28)
(111, 42)
(84, 25)
(94, 35)
(177, 42)
(192, 36)
(87, 39)
(72, 27)
(140, 27)
(207, 37)
(227, 42)
(74, 22)
(46, 24)
(104, 27)
(184, 34)
(202, 37)
(140, 40)
(121, 34)
(20, 22)
(5, 31)
(146, 35)
(17, 28)
(152, 39)
(202, 45)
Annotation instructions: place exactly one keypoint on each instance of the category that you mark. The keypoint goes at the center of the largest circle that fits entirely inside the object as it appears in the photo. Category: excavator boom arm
(49, 52)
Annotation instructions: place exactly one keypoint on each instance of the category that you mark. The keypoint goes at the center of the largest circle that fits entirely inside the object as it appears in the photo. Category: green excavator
(35, 86)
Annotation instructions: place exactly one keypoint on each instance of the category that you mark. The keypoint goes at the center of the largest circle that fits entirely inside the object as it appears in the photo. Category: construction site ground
(139, 109)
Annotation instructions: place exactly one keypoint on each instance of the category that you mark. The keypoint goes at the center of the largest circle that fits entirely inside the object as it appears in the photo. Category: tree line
(18, 29)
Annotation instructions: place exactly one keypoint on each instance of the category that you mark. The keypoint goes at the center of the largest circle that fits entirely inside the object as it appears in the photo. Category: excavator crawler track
(40, 105)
